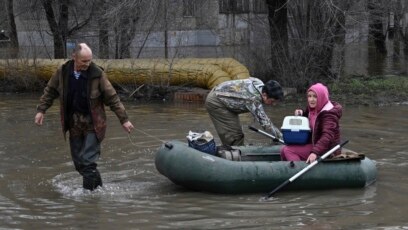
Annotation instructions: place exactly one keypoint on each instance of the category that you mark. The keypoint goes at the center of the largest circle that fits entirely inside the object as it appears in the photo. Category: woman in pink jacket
(324, 117)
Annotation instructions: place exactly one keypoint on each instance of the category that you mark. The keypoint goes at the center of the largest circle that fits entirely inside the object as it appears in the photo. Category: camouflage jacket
(100, 93)
(242, 96)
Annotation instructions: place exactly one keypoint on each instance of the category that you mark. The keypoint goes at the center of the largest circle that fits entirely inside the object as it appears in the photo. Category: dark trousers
(226, 122)
(85, 151)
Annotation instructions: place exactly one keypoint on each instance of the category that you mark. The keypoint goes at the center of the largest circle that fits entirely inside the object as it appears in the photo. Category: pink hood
(322, 96)
(323, 102)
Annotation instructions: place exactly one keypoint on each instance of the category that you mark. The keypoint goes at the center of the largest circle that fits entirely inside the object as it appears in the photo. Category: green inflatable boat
(258, 169)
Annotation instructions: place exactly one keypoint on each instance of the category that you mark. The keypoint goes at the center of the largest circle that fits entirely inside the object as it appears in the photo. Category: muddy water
(39, 188)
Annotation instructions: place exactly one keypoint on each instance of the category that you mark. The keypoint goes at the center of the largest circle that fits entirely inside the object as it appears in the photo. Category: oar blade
(277, 189)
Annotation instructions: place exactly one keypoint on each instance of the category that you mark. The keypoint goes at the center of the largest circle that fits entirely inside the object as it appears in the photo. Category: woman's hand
(312, 157)
(298, 112)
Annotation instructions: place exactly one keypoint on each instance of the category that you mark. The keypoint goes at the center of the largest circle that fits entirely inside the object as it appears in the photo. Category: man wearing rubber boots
(229, 99)
(83, 89)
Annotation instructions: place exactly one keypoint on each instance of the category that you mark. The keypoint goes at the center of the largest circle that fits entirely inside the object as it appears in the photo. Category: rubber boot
(91, 180)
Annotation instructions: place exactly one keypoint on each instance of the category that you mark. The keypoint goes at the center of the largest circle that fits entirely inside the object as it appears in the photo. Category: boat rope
(149, 135)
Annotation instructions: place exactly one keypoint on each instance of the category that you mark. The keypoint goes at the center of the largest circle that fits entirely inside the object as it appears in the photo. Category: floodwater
(39, 188)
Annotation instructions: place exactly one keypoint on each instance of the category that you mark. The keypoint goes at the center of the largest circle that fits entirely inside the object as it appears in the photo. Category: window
(225, 6)
(188, 8)
(260, 6)
(234, 6)
(241, 6)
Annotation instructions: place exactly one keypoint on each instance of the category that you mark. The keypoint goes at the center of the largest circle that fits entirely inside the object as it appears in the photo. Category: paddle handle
(301, 172)
(266, 134)
(317, 161)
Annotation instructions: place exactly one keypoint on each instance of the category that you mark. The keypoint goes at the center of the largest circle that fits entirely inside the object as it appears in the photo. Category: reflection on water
(363, 58)
(39, 188)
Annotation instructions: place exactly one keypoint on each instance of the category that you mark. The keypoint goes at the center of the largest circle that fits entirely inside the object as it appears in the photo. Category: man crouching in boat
(229, 99)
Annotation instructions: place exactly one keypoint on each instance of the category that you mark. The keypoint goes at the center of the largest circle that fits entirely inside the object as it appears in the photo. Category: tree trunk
(166, 51)
(14, 44)
(125, 28)
(104, 43)
(55, 27)
(376, 15)
(126, 34)
(339, 45)
(103, 23)
(277, 16)
(63, 25)
(402, 24)
(124, 42)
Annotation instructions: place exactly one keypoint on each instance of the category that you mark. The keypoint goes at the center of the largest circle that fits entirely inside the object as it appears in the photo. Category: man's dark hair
(273, 90)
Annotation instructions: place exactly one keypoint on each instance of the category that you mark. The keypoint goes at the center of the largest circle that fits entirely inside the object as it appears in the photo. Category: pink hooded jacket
(324, 121)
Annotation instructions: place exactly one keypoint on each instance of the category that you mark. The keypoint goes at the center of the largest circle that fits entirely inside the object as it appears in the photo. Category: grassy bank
(362, 90)
(377, 90)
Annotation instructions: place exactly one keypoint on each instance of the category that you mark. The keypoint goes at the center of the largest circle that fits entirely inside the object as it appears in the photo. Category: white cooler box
(295, 130)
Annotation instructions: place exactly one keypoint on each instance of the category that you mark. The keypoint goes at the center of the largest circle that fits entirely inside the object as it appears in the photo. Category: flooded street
(40, 189)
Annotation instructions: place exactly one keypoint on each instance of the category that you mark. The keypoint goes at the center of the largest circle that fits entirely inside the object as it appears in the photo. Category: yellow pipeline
(199, 72)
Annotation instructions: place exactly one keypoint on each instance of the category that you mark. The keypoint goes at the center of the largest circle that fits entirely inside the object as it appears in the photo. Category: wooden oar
(266, 134)
(303, 171)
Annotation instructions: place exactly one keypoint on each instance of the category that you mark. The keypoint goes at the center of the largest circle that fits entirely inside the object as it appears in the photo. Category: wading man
(83, 90)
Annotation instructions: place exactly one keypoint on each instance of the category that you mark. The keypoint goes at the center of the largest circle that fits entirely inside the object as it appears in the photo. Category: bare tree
(14, 45)
(304, 54)
(120, 21)
(103, 28)
(278, 27)
(156, 11)
(59, 22)
(376, 29)
(399, 10)
(404, 27)
(123, 16)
